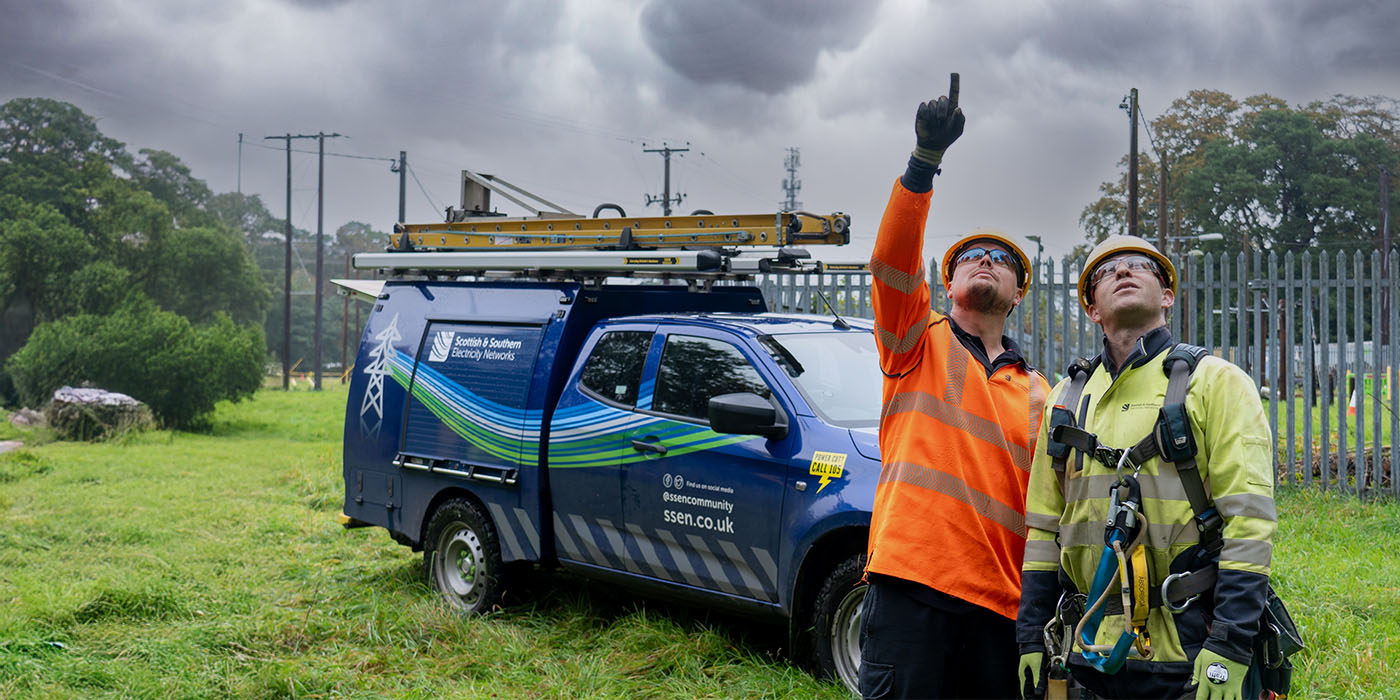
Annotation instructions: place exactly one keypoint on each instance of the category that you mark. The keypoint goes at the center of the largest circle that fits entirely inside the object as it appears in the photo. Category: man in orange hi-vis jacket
(956, 437)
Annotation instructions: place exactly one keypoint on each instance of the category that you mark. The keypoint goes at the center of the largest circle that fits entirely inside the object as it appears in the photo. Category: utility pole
(287, 278)
(1161, 202)
(320, 246)
(1131, 104)
(240, 162)
(665, 198)
(286, 289)
(401, 168)
(791, 185)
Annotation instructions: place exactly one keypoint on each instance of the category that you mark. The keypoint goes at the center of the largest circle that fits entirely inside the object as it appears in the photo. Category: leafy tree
(245, 214)
(1286, 183)
(1109, 214)
(50, 151)
(359, 237)
(39, 250)
(201, 272)
(172, 184)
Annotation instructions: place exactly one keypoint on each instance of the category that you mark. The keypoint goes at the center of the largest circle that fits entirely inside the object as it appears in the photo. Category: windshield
(837, 372)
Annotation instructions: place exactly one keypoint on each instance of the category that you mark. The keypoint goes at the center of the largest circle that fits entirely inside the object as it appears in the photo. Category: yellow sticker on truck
(828, 466)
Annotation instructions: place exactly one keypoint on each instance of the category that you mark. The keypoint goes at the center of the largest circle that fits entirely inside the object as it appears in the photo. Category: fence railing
(1316, 331)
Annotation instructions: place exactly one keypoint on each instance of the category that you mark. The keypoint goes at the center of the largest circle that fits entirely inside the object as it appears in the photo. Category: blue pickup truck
(678, 441)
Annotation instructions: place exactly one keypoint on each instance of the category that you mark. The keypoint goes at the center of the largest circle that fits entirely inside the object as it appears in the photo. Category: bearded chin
(984, 299)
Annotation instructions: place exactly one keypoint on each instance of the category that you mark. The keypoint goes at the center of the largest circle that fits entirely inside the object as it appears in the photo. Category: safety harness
(1123, 558)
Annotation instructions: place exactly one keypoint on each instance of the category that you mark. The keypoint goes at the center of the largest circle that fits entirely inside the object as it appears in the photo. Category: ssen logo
(442, 345)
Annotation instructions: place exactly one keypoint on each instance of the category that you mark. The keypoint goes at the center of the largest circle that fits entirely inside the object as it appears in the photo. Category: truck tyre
(462, 557)
(836, 622)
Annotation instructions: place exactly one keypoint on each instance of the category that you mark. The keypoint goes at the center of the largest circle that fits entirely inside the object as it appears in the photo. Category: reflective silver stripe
(895, 278)
(770, 567)
(901, 344)
(585, 535)
(1042, 551)
(531, 535)
(503, 526)
(955, 417)
(955, 374)
(953, 487)
(745, 573)
(1249, 505)
(1159, 536)
(1258, 552)
(711, 564)
(681, 559)
(648, 551)
(561, 531)
(1048, 523)
(618, 546)
(1159, 487)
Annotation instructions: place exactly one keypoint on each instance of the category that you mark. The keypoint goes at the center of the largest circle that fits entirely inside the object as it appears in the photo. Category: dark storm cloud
(1290, 43)
(1361, 34)
(41, 35)
(767, 46)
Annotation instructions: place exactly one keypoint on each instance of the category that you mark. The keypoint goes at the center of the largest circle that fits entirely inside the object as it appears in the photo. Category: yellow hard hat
(989, 234)
(1114, 245)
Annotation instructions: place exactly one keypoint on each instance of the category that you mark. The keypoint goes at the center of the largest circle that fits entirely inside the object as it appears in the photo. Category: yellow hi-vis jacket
(1234, 457)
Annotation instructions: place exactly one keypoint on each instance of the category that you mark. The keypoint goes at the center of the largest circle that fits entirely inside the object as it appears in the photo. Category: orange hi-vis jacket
(955, 444)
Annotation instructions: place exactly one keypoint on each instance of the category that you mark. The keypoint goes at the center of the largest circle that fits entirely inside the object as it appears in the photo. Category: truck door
(588, 441)
(703, 508)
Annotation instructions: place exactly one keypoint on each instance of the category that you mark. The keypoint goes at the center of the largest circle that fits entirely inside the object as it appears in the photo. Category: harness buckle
(1167, 601)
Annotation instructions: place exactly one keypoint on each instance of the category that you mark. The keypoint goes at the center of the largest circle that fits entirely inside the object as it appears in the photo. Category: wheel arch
(448, 494)
(825, 553)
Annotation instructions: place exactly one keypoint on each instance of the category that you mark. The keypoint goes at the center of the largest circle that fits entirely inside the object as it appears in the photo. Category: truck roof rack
(557, 244)
(710, 263)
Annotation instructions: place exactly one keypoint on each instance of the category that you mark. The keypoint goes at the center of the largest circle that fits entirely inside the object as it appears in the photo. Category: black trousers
(923, 644)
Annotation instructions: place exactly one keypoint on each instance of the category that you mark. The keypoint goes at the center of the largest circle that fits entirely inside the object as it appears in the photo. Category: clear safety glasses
(1134, 263)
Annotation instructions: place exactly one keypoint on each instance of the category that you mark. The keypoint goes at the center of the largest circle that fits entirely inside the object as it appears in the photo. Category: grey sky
(562, 96)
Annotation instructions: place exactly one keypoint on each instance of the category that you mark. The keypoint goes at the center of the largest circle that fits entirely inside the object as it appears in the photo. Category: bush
(177, 369)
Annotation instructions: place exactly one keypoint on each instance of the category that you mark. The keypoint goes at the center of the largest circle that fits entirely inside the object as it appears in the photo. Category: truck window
(695, 369)
(614, 370)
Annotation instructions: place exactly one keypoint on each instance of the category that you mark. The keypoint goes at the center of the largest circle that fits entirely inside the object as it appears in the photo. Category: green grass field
(210, 565)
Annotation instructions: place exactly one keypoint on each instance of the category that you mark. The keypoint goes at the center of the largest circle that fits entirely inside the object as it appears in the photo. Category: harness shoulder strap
(1063, 413)
(1172, 440)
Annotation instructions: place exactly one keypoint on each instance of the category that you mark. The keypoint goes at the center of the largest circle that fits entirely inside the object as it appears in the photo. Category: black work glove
(937, 125)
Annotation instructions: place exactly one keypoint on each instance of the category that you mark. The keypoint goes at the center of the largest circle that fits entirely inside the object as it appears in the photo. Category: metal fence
(1316, 332)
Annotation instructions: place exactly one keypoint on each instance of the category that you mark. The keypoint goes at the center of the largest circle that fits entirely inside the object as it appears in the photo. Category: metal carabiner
(1123, 459)
(1167, 602)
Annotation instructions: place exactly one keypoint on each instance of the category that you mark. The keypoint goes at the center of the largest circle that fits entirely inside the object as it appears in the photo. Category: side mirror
(747, 414)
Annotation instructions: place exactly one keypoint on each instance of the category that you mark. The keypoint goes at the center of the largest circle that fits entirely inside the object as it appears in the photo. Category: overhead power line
(424, 190)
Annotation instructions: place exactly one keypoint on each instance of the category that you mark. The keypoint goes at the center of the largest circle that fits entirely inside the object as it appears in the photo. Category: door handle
(654, 447)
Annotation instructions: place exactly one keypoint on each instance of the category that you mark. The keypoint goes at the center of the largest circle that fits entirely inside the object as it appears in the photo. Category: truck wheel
(462, 557)
(836, 622)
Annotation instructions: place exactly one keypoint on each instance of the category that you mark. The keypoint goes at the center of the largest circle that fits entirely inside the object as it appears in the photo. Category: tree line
(127, 271)
(1267, 176)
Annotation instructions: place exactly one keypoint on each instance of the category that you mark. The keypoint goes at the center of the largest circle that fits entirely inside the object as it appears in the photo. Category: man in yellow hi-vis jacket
(1214, 542)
